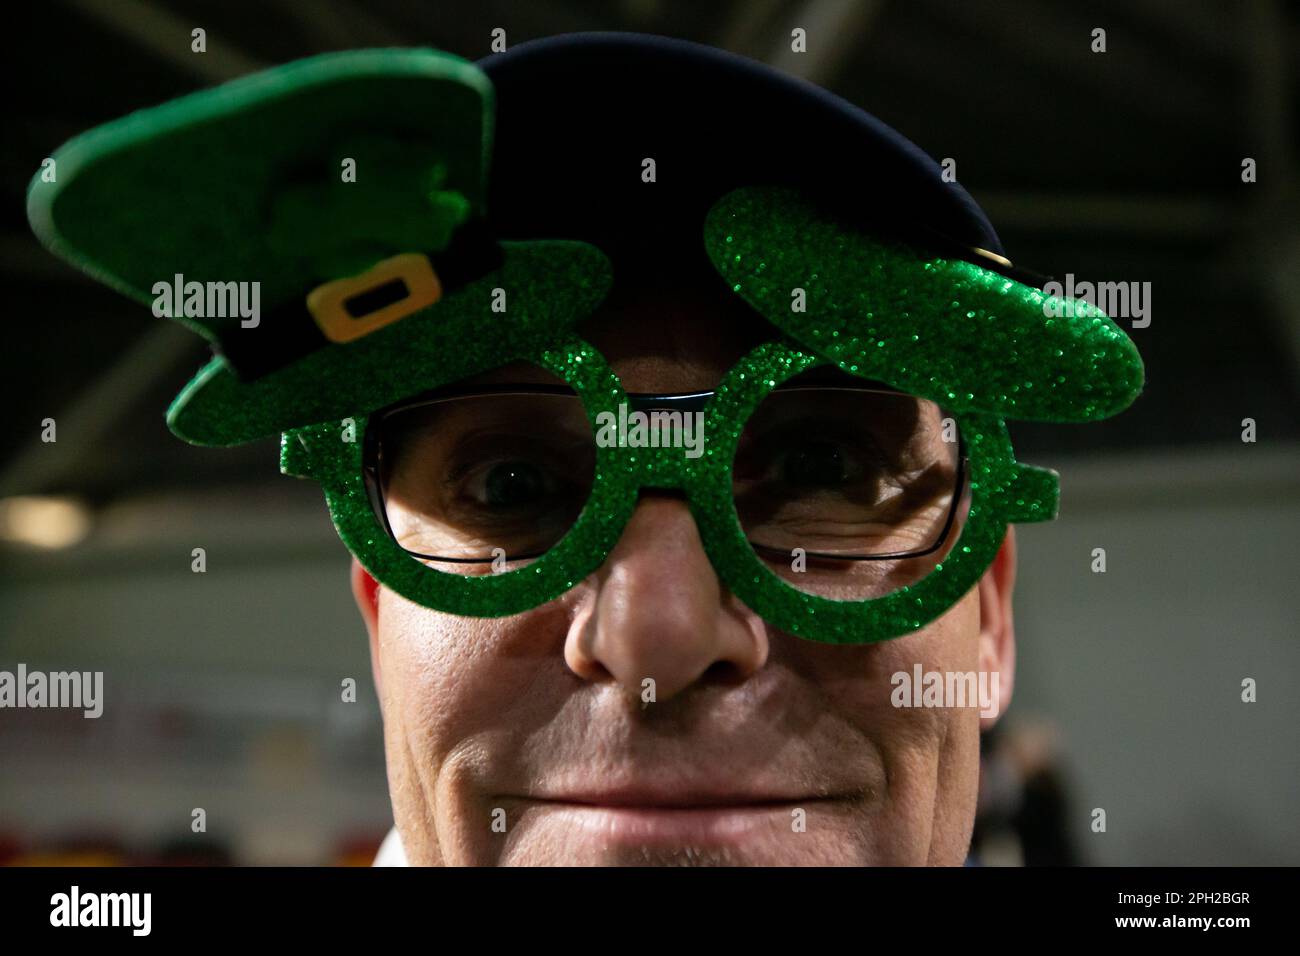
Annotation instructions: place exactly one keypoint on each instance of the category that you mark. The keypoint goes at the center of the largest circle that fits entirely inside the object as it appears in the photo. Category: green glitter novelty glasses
(851, 479)
(838, 510)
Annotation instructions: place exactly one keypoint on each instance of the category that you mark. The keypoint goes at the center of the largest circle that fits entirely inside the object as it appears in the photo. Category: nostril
(723, 672)
(592, 670)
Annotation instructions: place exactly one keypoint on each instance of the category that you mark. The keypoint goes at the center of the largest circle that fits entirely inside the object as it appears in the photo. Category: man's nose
(661, 613)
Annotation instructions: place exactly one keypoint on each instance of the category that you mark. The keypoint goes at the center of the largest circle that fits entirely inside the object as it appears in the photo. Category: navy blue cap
(577, 114)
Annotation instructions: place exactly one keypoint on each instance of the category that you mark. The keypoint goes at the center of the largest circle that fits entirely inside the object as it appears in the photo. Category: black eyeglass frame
(372, 455)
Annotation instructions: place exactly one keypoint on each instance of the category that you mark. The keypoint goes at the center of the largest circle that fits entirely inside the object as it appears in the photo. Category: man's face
(526, 739)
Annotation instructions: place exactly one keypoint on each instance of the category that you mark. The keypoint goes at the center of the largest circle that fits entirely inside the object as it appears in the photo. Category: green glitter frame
(1002, 491)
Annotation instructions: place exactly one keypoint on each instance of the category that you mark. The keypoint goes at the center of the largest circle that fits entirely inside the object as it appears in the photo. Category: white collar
(391, 852)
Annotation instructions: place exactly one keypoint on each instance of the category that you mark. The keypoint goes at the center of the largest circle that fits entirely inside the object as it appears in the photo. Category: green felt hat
(944, 328)
(321, 224)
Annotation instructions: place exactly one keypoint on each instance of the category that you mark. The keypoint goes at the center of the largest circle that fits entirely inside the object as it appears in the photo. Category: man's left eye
(814, 463)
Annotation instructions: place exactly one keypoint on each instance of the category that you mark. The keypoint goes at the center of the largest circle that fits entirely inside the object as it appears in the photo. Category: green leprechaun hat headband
(943, 328)
(371, 297)
(292, 218)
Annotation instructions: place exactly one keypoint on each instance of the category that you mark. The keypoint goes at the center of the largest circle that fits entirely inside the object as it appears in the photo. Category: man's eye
(815, 463)
(508, 484)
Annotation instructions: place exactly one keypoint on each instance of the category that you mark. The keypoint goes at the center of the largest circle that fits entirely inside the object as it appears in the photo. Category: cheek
(859, 679)
(948, 644)
(449, 681)
(928, 757)
(455, 692)
(953, 641)
(935, 753)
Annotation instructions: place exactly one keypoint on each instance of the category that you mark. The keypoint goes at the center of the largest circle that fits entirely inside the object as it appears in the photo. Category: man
(760, 624)
(541, 714)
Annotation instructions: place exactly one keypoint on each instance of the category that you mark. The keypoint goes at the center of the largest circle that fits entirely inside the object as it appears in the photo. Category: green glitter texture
(944, 329)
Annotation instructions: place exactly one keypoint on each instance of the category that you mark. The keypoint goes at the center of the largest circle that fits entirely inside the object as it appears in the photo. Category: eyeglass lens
(845, 492)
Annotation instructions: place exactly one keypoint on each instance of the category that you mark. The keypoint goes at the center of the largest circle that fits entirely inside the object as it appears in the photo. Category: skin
(540, 714)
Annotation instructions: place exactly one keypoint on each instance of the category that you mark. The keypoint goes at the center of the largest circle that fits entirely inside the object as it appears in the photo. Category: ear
(997, 653)
(365, 590)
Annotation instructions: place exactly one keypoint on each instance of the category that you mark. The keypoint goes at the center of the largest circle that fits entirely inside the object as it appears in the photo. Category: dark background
(1122, 166)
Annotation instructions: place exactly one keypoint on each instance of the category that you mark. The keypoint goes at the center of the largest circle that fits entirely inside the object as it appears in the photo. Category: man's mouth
(675, 818)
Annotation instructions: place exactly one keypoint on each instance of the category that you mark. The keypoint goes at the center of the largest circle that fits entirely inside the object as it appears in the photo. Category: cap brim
(550, 285)
(945, 329)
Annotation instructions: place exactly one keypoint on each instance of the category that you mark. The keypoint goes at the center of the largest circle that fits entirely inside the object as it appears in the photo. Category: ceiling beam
(167, 36)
